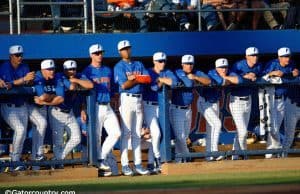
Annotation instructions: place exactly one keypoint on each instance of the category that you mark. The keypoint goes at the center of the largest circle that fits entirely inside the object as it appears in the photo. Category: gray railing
(9, 13)
(20, 18)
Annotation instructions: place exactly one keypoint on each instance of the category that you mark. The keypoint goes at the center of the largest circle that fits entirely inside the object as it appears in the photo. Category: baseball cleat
(19, 168)
(219, 158)
(104, 167)
(268, 156)
(103, 173)
(126, 170)
(138, 169)
(151, 169)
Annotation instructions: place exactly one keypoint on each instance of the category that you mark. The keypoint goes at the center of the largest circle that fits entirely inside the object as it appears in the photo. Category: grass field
(165, 182)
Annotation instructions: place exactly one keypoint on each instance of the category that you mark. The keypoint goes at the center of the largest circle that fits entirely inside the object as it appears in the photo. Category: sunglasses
(51, 69)
(188, 63)
(71, 69)
(161, 61)
(18, 55)
(98, 53)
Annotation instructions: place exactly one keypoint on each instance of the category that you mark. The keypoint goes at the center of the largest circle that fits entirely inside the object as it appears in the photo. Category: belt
(244, 98)
(134, 95)
(63, 110)
(278, 97)
(182, 107)
(152, 103)
(14, 105)
(103, 103)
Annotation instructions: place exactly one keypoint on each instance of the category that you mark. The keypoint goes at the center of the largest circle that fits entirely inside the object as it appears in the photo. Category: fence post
(165, 146)
(92, 144)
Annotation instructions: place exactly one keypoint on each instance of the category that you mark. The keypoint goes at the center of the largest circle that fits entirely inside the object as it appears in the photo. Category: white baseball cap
(222, 62)
(252, 51)
(15, 49)
(284, 52)
(96, 48)
(123, 44)
(47, 64)
(159, 56)
(187, 59)
(70, 64)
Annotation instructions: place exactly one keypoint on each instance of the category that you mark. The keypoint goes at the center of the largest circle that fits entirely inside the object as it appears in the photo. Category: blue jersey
(52, 86)
(150, 92)
(274, 65)
(212, 95)
(294, 92)
(124, 69)
(101, 78)
(9, 74)
(184, 96)
(73, 100)
(241, 68)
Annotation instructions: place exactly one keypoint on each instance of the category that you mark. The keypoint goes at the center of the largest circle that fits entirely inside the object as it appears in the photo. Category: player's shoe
(38, 158)
(262, 139)
(126, 170)
(138, 169)
(268, 156)
(103, 166)
(158, 164)
(19, 168)
(209, 159)
(219, 158)
(151, 169)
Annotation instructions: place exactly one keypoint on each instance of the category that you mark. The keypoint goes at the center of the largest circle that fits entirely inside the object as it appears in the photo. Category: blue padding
(145, 44)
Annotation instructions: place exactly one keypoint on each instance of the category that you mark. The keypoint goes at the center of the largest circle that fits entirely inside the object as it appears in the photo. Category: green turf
(163, 182)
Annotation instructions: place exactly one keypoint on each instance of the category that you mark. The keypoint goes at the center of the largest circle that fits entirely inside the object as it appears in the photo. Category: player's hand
(83, 116)
(73, 86)
(191, 76)
(29, 76)
(277, 73)
(37, 100)
(295, 72)
(84, 133)
(251, 76)
(2, 84)
(131, 77)
(73, 80)
(8, 85)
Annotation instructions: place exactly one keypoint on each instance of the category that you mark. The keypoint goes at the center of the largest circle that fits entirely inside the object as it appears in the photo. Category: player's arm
(87, 84)
(131, 82)
(24, 80)
(201, 78)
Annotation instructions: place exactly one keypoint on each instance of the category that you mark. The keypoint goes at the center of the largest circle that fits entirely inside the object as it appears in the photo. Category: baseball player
(292, 115)
(126, 73)
(14, 110)
(279, 68)
(208, 104)
(159, 76)
(248, 71)
(180, 109)
(101, 76)
(50, 92)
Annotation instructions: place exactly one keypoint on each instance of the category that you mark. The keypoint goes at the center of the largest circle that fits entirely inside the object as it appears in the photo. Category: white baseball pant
(240, 109)
(211, 112)
(17, 119)
(264, 109)
(277, 114)
(180, 120)
(38, 117)
(151, 120)
(131, 112)
(290, 121)
(59, 122)
(105, 117)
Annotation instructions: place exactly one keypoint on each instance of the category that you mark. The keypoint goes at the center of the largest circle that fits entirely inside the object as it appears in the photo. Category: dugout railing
(167, 155)
(8, 13)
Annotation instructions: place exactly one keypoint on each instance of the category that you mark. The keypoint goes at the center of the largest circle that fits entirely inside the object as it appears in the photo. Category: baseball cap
(123, 44)
(159, 56)
(222, 62)
(47, 64)
(15, 49)
(95, 48)
(70, 64)
(187, 59)
(284, 52)
(252, 51)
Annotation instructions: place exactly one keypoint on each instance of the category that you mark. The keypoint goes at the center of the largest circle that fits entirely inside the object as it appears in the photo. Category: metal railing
(21, 3)
(9, 13)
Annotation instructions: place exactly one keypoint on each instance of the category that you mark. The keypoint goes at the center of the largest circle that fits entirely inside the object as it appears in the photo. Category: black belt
(63, 110)
(152, 103)
(15, 105)
(246, 98)
(278, 97)
(182, 107)
(103, 103)
(134, 95)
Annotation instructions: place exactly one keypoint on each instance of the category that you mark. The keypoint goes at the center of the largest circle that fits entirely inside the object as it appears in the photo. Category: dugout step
(67, 174)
